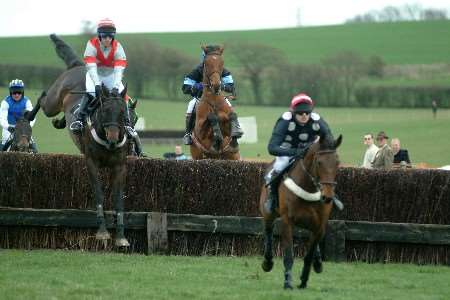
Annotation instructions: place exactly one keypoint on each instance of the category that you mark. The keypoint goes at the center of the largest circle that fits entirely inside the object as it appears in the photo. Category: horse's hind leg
(102, 232)
(267, 264)
(118, 182)
(288, 255)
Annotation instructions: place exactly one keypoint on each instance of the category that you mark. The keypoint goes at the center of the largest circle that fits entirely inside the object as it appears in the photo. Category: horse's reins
(94, 132)
(317, 184)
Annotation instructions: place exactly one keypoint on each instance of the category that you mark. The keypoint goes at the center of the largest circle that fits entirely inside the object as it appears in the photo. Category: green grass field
(396, 42)
(78, 275)
(425, 138)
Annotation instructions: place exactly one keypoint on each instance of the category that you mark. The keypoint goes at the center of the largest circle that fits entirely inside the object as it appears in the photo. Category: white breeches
(281, 162)
(194, 101)
(106, 80)
(5, 135)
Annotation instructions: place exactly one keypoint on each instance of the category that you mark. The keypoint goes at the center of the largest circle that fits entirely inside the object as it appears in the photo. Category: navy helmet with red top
(301, 103)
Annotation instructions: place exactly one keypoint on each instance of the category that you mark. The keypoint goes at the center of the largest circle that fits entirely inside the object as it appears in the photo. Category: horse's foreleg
(288, 255)
(102, 232)
(317, 260)
(267, 264)
(310, 255)
(118, 182)
(217, 133)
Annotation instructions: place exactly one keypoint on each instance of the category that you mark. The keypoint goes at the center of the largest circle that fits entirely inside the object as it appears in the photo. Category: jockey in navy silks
(193, 86)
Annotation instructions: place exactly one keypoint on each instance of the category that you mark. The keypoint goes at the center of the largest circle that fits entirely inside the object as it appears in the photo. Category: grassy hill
(397, 43)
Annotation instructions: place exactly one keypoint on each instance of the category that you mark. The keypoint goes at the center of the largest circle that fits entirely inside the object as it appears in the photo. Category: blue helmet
(16, 85)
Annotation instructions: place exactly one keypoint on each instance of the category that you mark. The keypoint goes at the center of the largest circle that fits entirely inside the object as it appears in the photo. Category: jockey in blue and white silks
(13, 107)
(193, 86)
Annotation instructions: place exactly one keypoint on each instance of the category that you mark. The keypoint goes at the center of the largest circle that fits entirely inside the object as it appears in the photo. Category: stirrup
(76, 126)
(187, 139)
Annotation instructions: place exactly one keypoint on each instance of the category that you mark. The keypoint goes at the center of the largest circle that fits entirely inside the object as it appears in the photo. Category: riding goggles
(106, 34)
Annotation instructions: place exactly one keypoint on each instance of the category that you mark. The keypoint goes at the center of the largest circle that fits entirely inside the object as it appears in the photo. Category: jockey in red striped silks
(105, 61)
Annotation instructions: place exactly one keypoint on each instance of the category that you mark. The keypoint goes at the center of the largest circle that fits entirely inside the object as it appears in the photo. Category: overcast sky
(41, 17)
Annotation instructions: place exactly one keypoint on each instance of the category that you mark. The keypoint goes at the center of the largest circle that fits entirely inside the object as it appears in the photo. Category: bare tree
(347, 68)
(255, 59)
(434, 14)
(390, 14)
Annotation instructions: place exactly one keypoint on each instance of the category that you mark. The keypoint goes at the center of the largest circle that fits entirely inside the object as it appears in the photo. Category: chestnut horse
(103, 141)
(212, 131)
(306, 197)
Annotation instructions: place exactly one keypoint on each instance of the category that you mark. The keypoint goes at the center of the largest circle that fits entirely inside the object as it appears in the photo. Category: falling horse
(306, 197)
(103, 141)
(21, 138)
(212, 131)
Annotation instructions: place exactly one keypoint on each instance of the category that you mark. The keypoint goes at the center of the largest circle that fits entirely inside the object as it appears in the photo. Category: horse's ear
(27, 115)
(203, 46)
(221, 48)
(133, 103)
(338, 141)
(124, 92)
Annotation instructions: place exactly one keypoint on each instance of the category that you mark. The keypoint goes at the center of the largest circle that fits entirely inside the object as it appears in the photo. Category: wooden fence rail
(158, 224)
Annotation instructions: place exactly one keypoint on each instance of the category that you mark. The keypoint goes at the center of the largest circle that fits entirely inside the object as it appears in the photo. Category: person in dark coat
(292, 134)
(399, 154)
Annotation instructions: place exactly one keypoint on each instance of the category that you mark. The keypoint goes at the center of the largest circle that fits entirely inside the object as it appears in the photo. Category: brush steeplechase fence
(389, 216)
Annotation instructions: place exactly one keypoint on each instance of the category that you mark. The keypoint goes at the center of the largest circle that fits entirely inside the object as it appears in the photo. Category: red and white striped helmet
(301, 102)
(106, 25)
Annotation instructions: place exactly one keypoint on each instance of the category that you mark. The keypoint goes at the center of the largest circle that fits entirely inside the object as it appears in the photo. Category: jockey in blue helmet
(12, 108)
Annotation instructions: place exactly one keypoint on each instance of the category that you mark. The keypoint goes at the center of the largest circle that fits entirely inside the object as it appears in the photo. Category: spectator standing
(384, 157)
(400, 155)
(371, 151)
(434, 108)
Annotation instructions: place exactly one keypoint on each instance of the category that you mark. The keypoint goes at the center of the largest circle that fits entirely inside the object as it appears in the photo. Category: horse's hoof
(102, 235)
(122, 242)
(318, 268)
(267, 265)
(288, 286)
(302, 285)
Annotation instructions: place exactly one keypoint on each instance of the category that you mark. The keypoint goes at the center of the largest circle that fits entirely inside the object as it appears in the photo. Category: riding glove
(98, 91)
(115, 92)
(197, 89)
(11, 129)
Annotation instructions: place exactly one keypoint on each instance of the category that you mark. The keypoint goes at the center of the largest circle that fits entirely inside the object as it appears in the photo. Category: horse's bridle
(318, 184)
(208, 76)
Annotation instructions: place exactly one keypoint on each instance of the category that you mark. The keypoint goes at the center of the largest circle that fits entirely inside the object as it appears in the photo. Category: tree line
(408, 12)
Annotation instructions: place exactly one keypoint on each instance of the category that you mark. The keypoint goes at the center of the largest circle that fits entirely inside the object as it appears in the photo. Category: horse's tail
(59, 123)
(66, 53)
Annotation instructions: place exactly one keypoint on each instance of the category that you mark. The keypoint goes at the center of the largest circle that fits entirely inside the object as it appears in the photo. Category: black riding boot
(190, 120)
(78, 125)
(236, 131)
(8, 143)
(272, 192)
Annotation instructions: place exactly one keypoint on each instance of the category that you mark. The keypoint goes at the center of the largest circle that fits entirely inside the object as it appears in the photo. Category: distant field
(396, 43)
(43, 274)
(425, 138)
